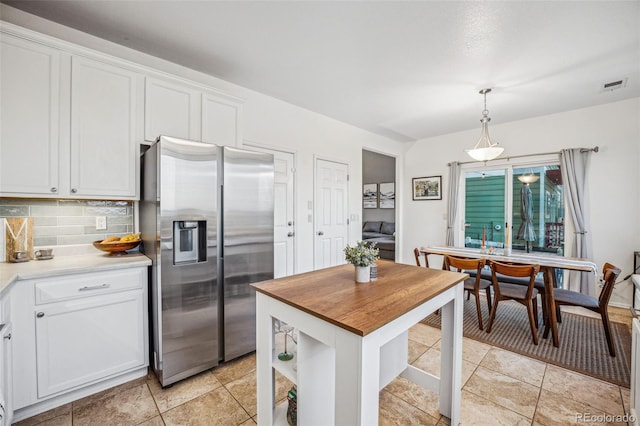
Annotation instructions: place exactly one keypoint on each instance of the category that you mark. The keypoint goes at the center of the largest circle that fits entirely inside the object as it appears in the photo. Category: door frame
(249, 144)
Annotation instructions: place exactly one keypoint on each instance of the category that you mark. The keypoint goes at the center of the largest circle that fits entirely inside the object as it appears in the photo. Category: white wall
(267, 121)
(614, 177)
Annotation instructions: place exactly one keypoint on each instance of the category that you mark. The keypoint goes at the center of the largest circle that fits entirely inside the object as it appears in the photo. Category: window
(528, 198)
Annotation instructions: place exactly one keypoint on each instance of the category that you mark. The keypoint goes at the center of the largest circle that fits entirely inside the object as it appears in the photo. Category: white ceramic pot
(363, 274)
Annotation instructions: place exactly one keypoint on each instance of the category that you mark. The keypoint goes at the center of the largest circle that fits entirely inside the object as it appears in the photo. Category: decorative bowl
(116, 248)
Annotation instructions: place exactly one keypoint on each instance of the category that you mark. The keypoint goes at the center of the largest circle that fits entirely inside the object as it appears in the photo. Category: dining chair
(472, 284)
(539, 285)
(418, 255)
(599, 305)
(525, 295)
(424, 254)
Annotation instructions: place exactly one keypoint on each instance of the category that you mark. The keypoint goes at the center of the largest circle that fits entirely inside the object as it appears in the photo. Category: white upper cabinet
(68, 124)
(29, 116)
(183, 111)
(72, 119)
(221, 119)
(171, 109)
(104, 104)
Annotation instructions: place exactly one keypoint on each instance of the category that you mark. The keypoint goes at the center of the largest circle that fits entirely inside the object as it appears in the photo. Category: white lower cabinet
(6, 380)
(80, 342)
(77, 334)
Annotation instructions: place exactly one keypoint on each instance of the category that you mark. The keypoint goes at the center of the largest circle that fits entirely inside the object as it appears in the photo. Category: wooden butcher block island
(353, 340)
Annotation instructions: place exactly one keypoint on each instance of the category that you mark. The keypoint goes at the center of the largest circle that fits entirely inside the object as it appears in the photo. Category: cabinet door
(220, 120)
(103, 119)
(6, 377)
(171, 109)
(82, 341)
(30, 117)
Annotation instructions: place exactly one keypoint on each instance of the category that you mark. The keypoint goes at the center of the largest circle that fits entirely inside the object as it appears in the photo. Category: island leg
(451, 357)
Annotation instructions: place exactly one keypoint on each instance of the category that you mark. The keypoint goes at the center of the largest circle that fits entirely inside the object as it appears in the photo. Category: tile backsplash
(68, 222)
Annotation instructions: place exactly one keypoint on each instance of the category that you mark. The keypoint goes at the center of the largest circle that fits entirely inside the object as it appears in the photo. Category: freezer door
(247, 224)
(188, 287)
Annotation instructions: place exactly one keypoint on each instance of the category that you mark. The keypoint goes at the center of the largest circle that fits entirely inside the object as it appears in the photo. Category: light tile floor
(499, 388)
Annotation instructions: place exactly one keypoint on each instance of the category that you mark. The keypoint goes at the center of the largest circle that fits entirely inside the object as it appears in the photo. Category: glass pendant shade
(485, 150)
(530, 178)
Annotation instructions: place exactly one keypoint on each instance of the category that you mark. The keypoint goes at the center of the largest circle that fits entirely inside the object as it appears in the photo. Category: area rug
(583, 346)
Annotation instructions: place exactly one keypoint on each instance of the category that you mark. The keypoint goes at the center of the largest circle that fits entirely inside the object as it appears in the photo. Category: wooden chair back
(514, 270)
(417, 255)
(464, 264)
(611, 274)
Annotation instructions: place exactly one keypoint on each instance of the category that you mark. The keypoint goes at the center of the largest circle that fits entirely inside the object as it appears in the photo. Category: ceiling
(404, 70)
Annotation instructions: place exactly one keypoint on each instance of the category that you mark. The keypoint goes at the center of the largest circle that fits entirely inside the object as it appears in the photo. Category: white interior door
(331, 213)
(283, 212)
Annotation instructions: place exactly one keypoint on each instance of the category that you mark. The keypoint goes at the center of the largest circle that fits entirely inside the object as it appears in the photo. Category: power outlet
(101, 223)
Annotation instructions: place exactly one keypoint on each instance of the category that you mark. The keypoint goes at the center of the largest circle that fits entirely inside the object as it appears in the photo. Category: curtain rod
(582, 150)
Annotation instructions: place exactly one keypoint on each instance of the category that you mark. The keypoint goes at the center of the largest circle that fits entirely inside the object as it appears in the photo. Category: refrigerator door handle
(221, 226)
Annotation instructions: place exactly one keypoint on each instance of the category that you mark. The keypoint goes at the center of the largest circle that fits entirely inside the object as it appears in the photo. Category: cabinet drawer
(87, 285)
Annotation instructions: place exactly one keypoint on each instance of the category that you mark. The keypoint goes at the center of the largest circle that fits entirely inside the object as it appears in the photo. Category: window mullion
(508, 196)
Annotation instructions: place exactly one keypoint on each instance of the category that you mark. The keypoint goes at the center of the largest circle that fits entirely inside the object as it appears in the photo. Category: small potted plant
(362, 255)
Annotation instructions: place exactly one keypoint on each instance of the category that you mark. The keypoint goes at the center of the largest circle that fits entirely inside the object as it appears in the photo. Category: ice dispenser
(189, 241)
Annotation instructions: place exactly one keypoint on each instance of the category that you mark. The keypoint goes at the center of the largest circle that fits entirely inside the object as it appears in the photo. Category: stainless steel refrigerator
(206, 221)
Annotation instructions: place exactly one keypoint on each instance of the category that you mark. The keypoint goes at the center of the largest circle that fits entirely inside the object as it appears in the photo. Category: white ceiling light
(530, 178)
(485, 150)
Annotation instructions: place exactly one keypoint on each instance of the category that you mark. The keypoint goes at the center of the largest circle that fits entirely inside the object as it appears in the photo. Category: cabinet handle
(40, 314)
(320, 233)
(290, 234)
(54, 189)
(74, 190)
(94, 287)
(8, 336)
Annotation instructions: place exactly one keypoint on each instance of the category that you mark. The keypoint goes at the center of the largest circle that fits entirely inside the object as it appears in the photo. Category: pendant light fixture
(485, 150)
(530, 178)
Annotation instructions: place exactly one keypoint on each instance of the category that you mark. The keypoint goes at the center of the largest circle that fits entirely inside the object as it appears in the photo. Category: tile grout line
(154, 401)
(539, 393)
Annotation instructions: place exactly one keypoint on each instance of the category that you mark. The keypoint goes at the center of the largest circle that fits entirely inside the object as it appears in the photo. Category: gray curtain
(575, 170)
(452, 201)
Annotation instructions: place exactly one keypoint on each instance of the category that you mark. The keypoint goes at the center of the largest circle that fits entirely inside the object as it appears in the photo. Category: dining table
(548, 262)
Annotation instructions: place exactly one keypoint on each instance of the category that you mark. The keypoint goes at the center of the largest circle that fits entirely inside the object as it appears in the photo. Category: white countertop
(64, 265)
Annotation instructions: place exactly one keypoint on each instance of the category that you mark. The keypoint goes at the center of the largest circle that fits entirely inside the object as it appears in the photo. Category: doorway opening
(379, 202)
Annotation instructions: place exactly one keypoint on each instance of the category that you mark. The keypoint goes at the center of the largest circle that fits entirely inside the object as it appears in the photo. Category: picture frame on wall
(427, 188)
(387, 195)
(370, 196)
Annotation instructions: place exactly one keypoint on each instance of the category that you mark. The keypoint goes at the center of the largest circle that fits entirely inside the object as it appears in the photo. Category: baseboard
(620, 305)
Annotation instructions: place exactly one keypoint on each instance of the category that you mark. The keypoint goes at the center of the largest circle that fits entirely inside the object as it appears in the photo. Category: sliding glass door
(527, 199)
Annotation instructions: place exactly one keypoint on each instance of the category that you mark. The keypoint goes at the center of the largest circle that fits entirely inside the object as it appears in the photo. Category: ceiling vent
(612, 85)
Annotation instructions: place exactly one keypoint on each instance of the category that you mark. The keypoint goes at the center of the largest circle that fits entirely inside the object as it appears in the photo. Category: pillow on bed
(371, 227)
